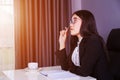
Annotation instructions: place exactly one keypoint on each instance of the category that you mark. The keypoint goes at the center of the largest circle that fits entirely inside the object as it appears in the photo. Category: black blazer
(93, 61)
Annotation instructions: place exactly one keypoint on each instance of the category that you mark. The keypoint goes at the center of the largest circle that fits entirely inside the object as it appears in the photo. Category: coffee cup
(33, 65)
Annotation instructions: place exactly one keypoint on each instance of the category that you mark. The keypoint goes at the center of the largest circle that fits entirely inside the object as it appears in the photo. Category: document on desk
(63, 75)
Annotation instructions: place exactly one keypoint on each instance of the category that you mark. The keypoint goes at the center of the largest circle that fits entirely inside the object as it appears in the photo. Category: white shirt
(75, 55)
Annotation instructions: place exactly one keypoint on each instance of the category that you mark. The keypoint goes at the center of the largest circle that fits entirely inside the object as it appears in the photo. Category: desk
(21, 74)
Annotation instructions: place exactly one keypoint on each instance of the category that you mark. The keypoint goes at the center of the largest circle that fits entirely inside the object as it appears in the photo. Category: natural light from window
(7, 56)
(6, 23)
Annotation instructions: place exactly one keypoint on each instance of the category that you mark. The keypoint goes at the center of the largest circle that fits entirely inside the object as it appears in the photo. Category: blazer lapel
(82, 48)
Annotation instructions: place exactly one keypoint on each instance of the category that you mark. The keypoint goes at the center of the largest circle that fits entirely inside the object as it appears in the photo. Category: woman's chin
(73, 34)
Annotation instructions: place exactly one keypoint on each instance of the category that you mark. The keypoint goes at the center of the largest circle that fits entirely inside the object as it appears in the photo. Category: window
(6, 23)
(7, 60)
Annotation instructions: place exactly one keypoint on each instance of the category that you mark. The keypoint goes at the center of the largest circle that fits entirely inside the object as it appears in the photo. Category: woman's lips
(71, 28)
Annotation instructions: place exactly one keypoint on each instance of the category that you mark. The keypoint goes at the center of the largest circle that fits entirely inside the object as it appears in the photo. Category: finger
(62, 33)
(66, 29)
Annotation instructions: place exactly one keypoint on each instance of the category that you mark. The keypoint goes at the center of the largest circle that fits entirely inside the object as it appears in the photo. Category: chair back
(113, 41)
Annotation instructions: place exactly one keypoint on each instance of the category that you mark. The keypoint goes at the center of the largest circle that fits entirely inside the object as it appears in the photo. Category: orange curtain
(37, 26)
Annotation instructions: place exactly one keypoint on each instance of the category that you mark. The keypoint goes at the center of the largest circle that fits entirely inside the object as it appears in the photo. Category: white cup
(33, 65)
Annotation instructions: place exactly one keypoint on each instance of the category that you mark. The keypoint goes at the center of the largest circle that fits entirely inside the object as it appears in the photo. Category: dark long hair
(88, 26)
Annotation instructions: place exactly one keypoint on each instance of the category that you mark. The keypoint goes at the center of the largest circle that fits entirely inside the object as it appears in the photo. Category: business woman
(87, 55)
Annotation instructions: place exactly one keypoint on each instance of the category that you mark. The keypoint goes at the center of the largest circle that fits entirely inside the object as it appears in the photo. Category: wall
(106, 13)
(76, 5)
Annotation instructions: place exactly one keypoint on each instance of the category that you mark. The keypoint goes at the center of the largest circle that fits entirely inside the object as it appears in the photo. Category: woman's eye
(75, 21)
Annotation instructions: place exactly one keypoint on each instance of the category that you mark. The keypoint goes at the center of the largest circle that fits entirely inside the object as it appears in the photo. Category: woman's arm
(62, 57)
(61, 53)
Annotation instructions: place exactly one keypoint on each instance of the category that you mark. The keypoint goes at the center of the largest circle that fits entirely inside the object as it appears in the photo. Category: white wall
(106, 13)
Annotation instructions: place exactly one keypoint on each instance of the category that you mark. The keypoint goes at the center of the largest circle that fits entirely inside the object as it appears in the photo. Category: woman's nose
(71, 24)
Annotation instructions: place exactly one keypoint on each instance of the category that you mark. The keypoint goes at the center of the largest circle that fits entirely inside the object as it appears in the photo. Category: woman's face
(75, 25)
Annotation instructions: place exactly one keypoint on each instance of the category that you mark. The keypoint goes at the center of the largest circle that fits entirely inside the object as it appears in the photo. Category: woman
(87, 55)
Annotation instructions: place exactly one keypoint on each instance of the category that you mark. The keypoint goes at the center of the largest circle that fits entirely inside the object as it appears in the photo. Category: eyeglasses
(74, 20)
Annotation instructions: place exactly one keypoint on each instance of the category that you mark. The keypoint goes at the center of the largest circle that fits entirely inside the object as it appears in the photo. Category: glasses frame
(74, 20)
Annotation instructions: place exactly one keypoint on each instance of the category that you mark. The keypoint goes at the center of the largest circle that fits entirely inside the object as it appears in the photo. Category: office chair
(113, 46)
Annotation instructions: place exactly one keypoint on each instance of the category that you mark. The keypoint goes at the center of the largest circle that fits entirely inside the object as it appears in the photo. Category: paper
(60, 75)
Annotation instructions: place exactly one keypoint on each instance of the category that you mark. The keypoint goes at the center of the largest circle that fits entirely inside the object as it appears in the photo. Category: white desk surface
(23, 74)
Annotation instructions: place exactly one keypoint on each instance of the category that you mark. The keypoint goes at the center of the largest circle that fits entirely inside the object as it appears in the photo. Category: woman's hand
(62, 38)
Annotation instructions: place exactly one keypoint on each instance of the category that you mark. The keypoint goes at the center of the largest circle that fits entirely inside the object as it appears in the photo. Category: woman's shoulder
(93, 37)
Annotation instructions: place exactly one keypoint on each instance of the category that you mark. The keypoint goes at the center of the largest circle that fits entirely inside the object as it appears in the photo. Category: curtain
(37, 26)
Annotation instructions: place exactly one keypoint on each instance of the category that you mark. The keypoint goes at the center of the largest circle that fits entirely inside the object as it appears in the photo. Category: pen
(43, 74)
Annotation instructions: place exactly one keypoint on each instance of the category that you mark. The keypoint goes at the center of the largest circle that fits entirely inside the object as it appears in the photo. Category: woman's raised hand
(62, 38)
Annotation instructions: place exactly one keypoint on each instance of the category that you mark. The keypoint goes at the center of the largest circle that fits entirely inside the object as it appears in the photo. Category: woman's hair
(88, 26)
